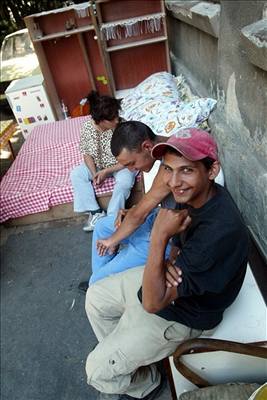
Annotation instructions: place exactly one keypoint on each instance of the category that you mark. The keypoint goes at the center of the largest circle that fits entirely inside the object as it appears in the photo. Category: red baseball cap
(194, 144)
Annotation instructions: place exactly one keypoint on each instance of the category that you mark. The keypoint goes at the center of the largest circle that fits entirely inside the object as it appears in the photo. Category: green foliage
(12, 12)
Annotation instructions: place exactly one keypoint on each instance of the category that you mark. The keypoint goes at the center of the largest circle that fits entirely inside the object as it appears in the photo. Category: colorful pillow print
(159, 85)
(166, 117)
(164, 103)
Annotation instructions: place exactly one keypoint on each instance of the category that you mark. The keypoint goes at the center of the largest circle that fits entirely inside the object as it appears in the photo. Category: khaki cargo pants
(130, 339)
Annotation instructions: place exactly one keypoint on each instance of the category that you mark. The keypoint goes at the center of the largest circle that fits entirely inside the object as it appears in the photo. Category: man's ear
(214, 170)
(147, 145)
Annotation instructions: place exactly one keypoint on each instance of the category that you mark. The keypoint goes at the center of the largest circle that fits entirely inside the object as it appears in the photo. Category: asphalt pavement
(45, 334)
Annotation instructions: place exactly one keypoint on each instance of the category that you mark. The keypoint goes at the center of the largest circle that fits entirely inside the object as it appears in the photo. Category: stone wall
(221, 49)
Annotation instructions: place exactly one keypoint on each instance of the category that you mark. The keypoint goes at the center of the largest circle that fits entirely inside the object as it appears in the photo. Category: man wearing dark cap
(139, 316)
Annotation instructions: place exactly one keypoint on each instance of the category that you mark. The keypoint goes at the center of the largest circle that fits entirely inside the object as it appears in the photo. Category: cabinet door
(70, 57)
(134, 39)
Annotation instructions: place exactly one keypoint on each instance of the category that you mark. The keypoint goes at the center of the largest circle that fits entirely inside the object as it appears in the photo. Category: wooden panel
(130, 9)
(119, 9)
(143, 36)
(131, 66)
(64, 211)
(70, 59)
(52, 23)
(60, 212)
(67, 66)
(98, 68)
(134, 58)
(137, 44)
(75, 64)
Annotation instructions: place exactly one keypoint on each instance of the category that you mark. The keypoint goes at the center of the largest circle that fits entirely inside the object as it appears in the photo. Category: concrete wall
(222, 51)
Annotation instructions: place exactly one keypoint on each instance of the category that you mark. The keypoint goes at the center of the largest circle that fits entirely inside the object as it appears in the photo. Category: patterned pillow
(165, 116)
(165, 103)
(159, 85)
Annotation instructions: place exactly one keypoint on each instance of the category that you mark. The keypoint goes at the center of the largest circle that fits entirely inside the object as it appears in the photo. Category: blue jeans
(133, 252)
(84, 194)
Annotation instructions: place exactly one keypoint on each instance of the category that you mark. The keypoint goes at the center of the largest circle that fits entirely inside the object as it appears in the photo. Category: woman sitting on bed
(99, 163)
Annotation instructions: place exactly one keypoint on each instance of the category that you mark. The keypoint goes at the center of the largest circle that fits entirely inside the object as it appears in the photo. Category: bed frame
(65, 211)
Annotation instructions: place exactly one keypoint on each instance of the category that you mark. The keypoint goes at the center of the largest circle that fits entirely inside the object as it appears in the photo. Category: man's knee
(92, 301)
(95, 304)
(104, 226)
(108, 373)
(124, 182)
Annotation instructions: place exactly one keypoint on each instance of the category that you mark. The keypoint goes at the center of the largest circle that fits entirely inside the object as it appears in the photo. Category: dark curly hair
(103, 107)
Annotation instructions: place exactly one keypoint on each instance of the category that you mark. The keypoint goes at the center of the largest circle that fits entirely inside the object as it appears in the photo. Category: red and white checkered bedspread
(39, 178)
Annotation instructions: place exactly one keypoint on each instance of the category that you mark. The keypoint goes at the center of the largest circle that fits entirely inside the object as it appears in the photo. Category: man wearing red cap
(140, 316)
(131, 144)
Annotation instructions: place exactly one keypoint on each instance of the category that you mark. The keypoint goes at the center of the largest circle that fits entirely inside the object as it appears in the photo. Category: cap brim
(159, 150)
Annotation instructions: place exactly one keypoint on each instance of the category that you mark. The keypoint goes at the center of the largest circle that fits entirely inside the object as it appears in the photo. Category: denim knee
(123, 186)
(101, 225)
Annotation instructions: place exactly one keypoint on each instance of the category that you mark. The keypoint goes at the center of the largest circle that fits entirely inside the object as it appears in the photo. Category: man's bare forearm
(114, 168)
(137, 215)
(153, 287)
(130, 223)
(155, 294)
